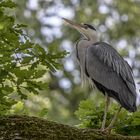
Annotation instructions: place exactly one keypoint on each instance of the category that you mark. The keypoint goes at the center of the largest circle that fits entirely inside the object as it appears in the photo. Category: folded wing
(107, 68)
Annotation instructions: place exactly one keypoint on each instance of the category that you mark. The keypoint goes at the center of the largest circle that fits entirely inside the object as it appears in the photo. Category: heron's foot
(106, 130)
(102, 129)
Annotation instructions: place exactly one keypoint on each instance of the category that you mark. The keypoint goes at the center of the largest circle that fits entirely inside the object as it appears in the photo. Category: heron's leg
(113, 120)
(107, 101)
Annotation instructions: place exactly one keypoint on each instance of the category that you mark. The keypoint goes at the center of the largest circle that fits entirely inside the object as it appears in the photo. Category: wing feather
(107, 67)
(112, 59)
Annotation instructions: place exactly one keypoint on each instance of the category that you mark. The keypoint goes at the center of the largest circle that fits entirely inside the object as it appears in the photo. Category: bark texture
(32, 128)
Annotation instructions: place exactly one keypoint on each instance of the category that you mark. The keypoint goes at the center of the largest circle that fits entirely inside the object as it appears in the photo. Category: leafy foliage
(129, 124)
(91, 116)
(32, 109)
(118, 23)
(22, 62)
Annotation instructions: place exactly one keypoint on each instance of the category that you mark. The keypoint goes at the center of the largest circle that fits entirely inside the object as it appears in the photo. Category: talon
(107, 131)
(102, 129)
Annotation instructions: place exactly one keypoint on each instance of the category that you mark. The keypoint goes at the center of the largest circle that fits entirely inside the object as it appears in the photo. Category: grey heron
(107, 69)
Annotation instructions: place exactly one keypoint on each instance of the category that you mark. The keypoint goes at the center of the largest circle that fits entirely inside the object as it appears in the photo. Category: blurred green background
(118, 23)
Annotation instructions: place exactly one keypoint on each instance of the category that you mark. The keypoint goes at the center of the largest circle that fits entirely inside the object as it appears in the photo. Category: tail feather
(127, 97)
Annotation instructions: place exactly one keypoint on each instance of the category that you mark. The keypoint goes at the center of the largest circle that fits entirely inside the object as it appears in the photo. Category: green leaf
(7, 3)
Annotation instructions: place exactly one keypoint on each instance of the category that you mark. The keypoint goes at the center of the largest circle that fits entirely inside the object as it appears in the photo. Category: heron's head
(87, 30)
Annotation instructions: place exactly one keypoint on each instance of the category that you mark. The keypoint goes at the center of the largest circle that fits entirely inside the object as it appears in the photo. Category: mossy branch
(32, 128)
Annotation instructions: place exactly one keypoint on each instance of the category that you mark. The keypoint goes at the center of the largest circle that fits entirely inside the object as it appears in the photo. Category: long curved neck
(83, 44)
(93, 38)
(81, 47)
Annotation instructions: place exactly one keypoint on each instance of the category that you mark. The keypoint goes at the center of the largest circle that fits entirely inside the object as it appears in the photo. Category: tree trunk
(32, 128)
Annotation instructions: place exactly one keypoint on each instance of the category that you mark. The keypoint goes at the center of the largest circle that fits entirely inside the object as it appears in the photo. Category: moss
(32, 128)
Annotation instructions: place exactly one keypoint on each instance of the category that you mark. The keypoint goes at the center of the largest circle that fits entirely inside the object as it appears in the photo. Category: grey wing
(105, 66)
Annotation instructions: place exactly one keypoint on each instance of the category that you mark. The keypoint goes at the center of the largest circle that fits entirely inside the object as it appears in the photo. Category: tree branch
(32, 128)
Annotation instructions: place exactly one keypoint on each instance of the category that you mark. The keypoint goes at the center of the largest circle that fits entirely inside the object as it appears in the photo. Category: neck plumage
(81, 47)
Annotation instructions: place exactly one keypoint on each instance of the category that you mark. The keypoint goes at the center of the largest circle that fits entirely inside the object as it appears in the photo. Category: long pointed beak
(73, 24)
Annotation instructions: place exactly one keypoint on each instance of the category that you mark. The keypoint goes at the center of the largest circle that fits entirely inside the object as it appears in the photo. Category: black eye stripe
(90, 26)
